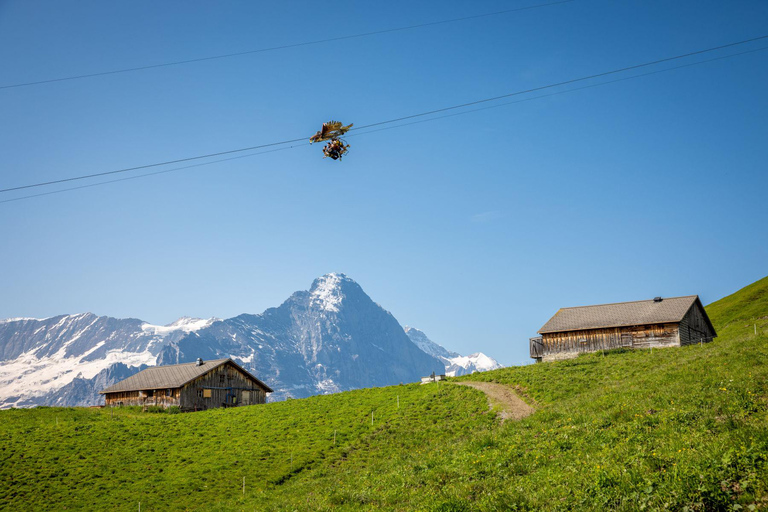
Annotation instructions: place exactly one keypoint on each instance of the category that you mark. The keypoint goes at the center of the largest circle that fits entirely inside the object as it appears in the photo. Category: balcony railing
(537, 347)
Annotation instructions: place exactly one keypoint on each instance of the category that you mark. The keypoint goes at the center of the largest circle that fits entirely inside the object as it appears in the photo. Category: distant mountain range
(328, 339)
(455, 364)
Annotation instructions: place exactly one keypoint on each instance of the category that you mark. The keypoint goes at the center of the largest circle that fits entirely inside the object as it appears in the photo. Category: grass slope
(748, 304)
(679, 429)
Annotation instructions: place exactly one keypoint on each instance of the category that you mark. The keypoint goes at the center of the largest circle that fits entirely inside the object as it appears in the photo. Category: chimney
(657, 299)
(199, 361)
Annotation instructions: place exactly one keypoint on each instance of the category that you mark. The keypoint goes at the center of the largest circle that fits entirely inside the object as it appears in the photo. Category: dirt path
(512, 406)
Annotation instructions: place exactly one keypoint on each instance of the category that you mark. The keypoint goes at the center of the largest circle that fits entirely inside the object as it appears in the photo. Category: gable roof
(173, 376)
(622, 314)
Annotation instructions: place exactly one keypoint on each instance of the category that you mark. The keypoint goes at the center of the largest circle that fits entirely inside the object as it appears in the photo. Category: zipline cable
(284, 47)
(396, 126)
(165, 171)
(575, 80)
(590, 86)
(581, 79)
(147, 166)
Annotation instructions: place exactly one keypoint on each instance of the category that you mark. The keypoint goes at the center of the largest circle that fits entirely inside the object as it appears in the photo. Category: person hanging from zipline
(332, 132)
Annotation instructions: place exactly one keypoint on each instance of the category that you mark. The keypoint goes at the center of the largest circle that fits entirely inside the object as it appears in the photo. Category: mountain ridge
(455, 364)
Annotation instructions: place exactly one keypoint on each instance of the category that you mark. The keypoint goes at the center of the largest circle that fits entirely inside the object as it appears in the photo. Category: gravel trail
(512, 406)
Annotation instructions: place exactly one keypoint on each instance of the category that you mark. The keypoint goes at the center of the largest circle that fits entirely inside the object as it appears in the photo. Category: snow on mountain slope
(183, 324)
(41, 356)
(455, 364)
(326, 293)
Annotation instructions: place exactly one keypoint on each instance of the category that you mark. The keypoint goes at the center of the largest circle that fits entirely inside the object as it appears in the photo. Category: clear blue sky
(474, 228)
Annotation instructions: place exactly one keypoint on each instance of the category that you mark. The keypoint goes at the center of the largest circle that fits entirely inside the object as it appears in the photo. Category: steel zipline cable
(285, 47)
(556, 93)
(157, 164)
(567, 82)
(422, 114)
(128, 178)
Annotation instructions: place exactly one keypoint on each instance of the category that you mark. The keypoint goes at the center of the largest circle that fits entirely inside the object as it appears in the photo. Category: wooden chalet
(190, 386)
(671, 322)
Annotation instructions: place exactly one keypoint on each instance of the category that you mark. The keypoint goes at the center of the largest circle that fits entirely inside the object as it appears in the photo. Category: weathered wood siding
(163, 397)
(562, 345)
(227, 387)
(694, 327)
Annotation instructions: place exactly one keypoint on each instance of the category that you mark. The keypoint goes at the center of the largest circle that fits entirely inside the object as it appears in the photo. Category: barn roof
(173, 376)
(622, 314)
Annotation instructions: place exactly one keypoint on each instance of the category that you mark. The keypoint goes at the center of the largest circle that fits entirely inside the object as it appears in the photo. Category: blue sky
(474, 228)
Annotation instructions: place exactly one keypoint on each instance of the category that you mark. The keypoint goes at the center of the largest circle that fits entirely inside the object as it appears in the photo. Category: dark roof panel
(622, 314)
(172, 376)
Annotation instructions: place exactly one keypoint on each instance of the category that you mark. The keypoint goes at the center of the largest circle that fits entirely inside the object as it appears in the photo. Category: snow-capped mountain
(455, 364)
(330, 338)
(39, 358)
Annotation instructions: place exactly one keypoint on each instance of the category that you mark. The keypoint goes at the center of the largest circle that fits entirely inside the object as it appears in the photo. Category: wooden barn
(671, 322)
(191, 386)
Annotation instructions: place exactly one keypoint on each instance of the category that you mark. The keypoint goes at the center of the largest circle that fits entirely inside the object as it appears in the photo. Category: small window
(168, 392)
(199, 393)
(221, 377)
(150, 393)
(206, 393)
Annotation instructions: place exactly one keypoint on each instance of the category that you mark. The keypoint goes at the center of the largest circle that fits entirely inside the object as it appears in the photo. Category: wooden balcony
(537, 348)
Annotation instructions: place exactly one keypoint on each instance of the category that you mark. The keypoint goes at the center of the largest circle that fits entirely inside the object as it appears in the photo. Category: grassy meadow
(677, 429)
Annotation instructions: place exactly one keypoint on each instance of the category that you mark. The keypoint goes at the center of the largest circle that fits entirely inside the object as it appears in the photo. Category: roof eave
(607, 327)
(222, 362)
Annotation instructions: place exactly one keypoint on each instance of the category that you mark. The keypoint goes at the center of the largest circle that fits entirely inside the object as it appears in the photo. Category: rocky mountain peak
(328, 292)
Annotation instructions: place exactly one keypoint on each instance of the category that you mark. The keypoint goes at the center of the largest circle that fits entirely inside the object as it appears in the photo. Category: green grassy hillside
(680, 429)
(747, 305)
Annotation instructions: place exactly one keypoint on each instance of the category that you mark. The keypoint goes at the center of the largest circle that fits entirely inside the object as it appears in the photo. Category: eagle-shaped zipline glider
(332, 132)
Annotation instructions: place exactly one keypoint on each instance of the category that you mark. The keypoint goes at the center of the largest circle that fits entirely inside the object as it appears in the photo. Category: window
(168, 392)
(206, 393)
(221, 378)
